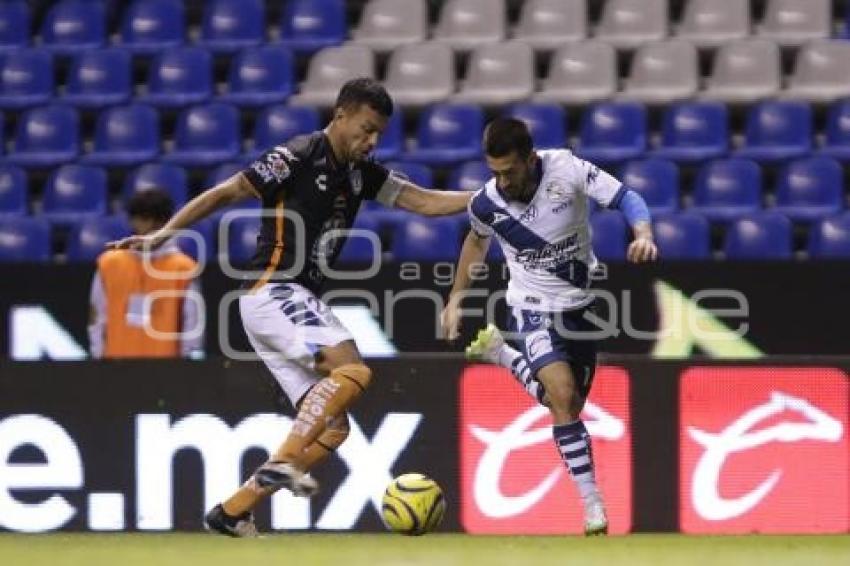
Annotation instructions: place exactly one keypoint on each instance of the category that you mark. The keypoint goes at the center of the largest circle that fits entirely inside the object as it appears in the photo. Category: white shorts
(287, 325)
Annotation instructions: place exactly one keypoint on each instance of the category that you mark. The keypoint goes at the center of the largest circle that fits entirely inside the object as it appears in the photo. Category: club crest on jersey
(555, 192)
(356, 179)
(278, 167)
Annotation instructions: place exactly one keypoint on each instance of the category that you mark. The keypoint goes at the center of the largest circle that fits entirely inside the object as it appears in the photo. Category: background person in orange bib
(134, 313)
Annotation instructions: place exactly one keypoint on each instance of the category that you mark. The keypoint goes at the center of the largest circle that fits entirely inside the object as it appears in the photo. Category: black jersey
(310, 194)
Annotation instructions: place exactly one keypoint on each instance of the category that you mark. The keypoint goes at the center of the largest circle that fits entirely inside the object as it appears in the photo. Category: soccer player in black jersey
(310, 187)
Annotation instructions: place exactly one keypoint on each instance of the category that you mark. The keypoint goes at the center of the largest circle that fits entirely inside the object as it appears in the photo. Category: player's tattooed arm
(471, 255)
(228, 192)
(429, 202)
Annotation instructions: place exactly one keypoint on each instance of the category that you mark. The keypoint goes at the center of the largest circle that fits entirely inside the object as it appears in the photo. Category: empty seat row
(424, 73)
(177, 77)
(661, 72)
(682, 236)
(547, 24)
(150, 26)
(446, 133)
(126, 135)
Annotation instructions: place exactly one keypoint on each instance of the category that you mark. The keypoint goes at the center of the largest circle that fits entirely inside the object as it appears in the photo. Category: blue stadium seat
(14, 25)
(125, 135)
(278, 124)
(657, 181)
(777, 130)
(359, 249)
(470, 176)
(13, 191)
(391, 143)
(760, 235)
(170, 178)
(87, 240)
(685, 235)
(727, 188)
(26, 78)
(830, 238)
(310, 25)
(434, 239)
(260, 76)
(73, 193)
(24, 239)
(612, 132)
(837, 139)
(810, 189)
(222, 173)
(448, 133)
(546, 122)
(242, 235)
(179, 77)
(72, 26)
(206, 135)
(202, 248)
(416, 172)
(100, 77)
(46, 136)
(230, 25)
(149, 26)
(694, 131)
(609, 235)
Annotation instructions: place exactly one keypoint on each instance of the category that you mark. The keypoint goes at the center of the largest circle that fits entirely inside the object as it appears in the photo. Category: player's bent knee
(358, 373)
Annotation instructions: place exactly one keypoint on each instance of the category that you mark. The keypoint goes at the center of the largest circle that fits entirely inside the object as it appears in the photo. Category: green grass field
(437, 549)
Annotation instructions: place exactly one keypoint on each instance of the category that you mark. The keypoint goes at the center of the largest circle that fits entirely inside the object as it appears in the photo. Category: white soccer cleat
(595, 519)
(276, 475)
(486, 346)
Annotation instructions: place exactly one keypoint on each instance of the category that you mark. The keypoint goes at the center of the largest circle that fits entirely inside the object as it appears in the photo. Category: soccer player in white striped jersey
(536, 206)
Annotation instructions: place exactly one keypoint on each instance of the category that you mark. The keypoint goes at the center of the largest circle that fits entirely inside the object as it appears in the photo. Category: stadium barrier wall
(783, 306)
(696, 446)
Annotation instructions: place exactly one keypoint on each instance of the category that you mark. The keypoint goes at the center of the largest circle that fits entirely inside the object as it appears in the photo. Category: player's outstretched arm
(642, 249)
(473, 252)
(430, 202)
(233, 190)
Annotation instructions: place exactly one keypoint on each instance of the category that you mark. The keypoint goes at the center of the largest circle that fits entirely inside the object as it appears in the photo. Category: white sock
(573, 444)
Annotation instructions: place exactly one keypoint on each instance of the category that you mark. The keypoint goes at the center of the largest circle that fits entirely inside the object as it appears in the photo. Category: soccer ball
(413, 504)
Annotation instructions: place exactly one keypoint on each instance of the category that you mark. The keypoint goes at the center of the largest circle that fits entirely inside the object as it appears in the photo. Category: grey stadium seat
(466, 24)
(387, 24)
(629, 23)
(421, 74)
(580, 73)
(662, 72)
(329, 69)
(548, 24)
(794, 22)
(499, 73)
(821, 72)
(709, 23)
(745, 71)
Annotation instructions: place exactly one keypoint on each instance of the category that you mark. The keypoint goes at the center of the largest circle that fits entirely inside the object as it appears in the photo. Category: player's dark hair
(368, 91)
(504, 136)
(151, 203)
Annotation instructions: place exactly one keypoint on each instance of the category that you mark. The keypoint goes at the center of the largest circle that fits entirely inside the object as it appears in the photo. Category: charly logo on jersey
(759, 442)
(744, 434)
(500, 217)
(512, 480)
(529, 215)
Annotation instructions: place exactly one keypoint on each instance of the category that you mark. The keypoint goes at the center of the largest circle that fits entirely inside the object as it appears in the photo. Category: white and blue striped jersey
(547, 242)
